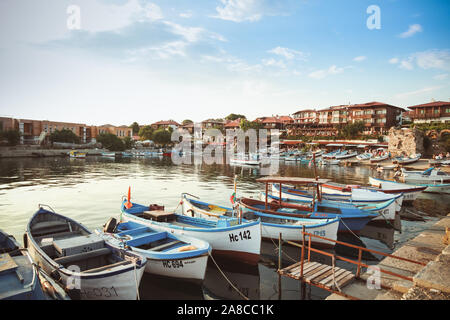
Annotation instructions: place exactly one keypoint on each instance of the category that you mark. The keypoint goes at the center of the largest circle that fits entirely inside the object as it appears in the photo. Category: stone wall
(406, 141)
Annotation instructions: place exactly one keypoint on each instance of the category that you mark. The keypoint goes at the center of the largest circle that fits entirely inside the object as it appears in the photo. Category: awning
(334, 145)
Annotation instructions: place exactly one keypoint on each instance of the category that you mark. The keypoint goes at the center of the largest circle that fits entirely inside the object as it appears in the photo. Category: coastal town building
(165, 124)
(433, 112)
(377, 117)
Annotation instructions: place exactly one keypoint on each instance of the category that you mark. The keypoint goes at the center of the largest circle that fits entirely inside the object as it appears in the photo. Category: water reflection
(90, 191)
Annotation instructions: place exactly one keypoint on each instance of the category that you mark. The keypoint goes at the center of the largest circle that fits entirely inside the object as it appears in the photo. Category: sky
(120, 61)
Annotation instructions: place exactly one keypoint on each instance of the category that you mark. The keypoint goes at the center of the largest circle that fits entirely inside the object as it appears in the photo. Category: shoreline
(429, 282)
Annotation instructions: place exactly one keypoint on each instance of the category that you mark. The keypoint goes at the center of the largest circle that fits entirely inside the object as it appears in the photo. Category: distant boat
(77, 155)
(168, 255)
(87, 267)
(19, 279)
(407, 160)
(435, 180)
(379, 158)
(364, 156)
(410, 192)
(109, 154)
(345, 155)
(252, 160)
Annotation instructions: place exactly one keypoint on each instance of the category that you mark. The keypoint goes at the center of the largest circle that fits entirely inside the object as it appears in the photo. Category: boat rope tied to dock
(228, 280)
(342, 220)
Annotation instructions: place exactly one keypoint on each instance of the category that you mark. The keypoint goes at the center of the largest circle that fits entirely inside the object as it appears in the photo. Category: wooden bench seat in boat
(159, 215)
(166, 245)
(83, 256)
(47, 227)
(109, 266)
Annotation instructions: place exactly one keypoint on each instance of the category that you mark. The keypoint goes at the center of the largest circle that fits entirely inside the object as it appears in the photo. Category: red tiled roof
(306, 110)
(372, 104)
(286, 119)
(234, 123)
(166, 122)
(431, 104)
(272, 120)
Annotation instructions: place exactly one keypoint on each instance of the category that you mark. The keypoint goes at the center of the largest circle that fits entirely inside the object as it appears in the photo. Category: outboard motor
(110, 226)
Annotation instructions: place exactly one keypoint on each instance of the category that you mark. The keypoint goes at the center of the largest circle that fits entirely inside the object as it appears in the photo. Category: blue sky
(144, 61)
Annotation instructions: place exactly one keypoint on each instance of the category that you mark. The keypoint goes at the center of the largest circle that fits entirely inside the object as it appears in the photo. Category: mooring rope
(342, 220)
(228, 280)
(276, 248)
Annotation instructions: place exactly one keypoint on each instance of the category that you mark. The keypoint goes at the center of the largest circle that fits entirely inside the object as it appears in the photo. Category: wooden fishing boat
(351, 218)
(345, 155)
(86, 266)
(409, 191)
(77, 155)
(230, 237)
(407, 160)
(379, 158)
(385, 210)
(271, 225)
(19, 278)
(434, 179)
(245, 160)
(342, 193)
(364, 156)
(109, 154)
(168, 255)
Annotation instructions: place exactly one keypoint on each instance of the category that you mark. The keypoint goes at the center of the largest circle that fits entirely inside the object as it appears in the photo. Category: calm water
(90, 192)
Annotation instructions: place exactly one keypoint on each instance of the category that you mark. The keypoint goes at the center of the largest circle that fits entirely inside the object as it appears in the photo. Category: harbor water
(90, 191)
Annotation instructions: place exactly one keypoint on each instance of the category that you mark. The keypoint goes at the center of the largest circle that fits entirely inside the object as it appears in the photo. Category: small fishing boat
(351, 218)
(434, 179)
(19, 279)
(385, 210)
(109, 154)
(409, 191)
(168, 255)
(345, 155)
(86, 266)
(407, 160)
(364, 156)
(331, 155)
(228, 237)
(376, 159)
(126, 154)
(330, 162)
(77, 155)
(250, 160)
(271, 225)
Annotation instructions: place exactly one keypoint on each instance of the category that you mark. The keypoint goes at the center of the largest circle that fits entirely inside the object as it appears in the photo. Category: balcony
(428, 115)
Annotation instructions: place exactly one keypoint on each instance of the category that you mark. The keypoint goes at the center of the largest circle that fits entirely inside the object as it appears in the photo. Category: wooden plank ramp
(319, 274)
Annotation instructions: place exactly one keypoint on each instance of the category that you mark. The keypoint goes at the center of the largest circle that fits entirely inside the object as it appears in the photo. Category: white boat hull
(243, 242)
(189, 268)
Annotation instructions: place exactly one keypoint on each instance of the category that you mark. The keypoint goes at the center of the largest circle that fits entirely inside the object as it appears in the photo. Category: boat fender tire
(110, 226)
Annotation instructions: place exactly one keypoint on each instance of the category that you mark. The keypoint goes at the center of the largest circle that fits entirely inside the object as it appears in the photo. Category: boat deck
(318, 274)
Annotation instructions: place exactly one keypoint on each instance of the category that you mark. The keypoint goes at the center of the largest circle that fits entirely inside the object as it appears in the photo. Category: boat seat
(46, 227)
(109, 266)
(166, 245)
(83, 256)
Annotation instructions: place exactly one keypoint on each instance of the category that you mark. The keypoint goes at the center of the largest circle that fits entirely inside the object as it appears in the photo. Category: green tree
(135, 127)
(233, 116)
(64, 135)
(162, 136)
(146, 133)
(128, 142)
(111, 142)
(245, 125)
(352, 130)
(12, 136)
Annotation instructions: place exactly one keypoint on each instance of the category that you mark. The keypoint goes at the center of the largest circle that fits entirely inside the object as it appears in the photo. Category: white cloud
(186, 15)
(360, 58)
(413, 29)
(240, 10)
(431, 59)
(442, 76)
(417, 92)
(193, 34)
(320, 74)
(274, 63)
(394, 61)
(287, 53)
(163, 52)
